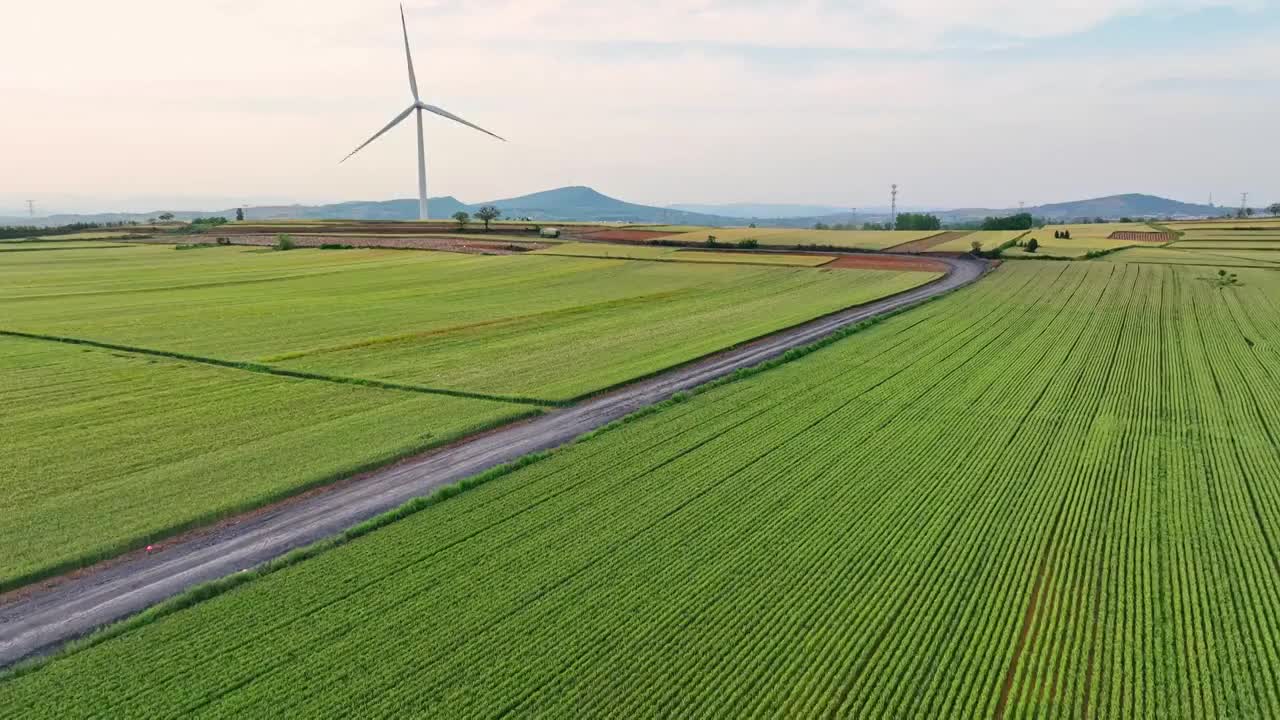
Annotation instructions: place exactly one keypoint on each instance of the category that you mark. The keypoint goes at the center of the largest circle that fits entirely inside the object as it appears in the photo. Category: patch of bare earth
(1026, 635)
(1151, 237)
(624, 236)
(901, 263)
(930, 242)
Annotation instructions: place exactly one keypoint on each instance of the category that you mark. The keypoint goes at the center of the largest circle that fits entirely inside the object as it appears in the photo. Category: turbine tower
(417, 107)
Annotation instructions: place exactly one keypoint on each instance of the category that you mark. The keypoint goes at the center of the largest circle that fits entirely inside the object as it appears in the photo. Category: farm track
(37, 619)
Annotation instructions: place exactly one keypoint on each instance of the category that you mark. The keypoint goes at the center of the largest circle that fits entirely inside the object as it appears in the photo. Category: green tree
(1020, 221)
(239, 214)
(166, 217)
(918, 221)
(487, 213)
(463, 217)
(1033, 245)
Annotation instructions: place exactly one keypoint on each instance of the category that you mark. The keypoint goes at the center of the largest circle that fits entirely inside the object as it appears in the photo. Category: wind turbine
(417, 107)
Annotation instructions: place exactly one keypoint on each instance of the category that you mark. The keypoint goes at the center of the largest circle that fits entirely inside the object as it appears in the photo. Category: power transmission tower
(31, 208)
(893, 208)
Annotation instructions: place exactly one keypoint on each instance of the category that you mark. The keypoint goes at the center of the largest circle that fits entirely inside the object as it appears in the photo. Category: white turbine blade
(413, 80)
(378, 134)
(445, 113)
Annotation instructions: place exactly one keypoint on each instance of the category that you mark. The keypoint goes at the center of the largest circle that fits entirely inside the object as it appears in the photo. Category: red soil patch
(1152, 237)
(624, 235)
(886, 262)
(930, 242)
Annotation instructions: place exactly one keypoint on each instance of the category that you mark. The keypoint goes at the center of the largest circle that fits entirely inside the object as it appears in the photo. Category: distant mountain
(1112, 207)
(584, 204)
(568, 203)
(1131, 205)
(747, 211)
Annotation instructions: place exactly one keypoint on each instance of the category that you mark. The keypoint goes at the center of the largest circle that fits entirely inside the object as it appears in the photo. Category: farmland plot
(104, 450)
(897, 525)
(549, 328)
(675, 254)
(989, 239)
(779, 237)
(1209, 258)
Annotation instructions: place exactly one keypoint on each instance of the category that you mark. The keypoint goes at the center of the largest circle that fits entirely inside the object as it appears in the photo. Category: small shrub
(1226, 279)
(975, 247)
(336, 246)
(284, 242)
(749, 244)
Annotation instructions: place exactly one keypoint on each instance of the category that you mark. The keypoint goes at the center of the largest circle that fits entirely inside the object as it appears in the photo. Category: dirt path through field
(39, 619)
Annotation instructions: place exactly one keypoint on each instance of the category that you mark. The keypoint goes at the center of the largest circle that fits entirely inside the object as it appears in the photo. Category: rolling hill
(584, 204)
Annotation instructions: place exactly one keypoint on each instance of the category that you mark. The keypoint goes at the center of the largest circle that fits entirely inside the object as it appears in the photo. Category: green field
(1073, 249)
(781, 237)
(1053, 494)
(1094, 230)
(1229, 244)
(550, 328)
(185, 417)
(106, 449)
(30, 245)
(675, 254)
(1210, 258)
(990, 239)
(1253, 223)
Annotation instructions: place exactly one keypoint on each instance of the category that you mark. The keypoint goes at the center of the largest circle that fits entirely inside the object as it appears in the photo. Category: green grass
(104, 450)
(894, 525)
(537, 327)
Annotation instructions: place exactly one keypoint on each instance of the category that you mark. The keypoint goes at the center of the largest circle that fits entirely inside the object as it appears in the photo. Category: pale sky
(150, 104)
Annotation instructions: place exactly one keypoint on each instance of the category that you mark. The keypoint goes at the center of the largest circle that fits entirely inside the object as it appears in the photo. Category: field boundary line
(283, 372)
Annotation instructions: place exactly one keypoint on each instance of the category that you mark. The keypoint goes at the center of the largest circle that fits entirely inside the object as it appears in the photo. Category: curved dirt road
(37, 620)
